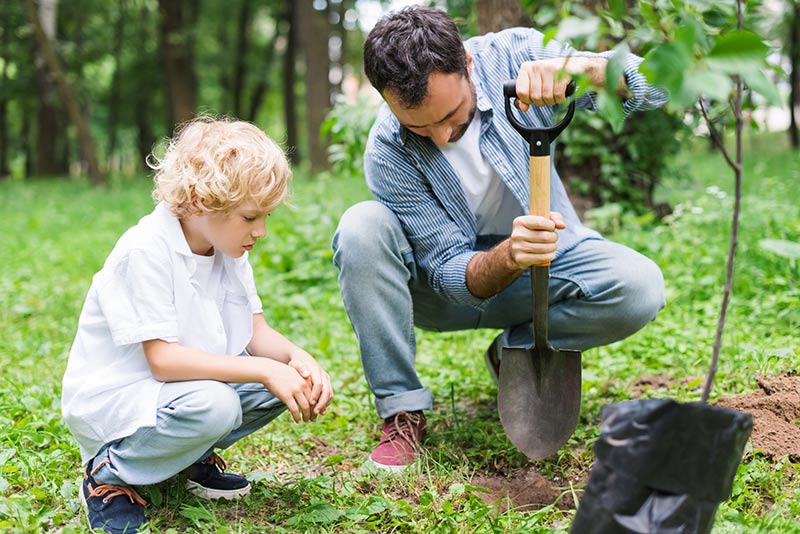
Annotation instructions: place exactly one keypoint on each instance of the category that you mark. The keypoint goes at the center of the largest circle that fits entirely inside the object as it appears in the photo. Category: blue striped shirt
(409, 174)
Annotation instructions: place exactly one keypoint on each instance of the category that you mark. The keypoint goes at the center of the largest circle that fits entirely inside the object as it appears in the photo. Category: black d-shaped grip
(539, 139)
(510, 89)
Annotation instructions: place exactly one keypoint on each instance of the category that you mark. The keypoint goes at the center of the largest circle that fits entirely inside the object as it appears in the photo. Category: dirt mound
(776, 415)
(522, 490)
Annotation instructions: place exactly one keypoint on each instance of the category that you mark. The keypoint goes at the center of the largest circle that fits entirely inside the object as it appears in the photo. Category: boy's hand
(321, 389)
(291, 388)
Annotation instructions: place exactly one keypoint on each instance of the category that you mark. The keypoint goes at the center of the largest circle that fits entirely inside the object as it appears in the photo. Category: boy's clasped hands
(309, 396)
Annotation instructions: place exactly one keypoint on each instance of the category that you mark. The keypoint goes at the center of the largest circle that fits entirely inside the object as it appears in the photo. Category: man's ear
(469, 62)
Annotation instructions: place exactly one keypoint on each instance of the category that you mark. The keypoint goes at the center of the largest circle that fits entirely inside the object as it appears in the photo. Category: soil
(775, 408)
(523, 489)
(662, 381)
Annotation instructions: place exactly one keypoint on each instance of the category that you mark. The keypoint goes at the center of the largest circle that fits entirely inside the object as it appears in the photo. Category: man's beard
(458, 134)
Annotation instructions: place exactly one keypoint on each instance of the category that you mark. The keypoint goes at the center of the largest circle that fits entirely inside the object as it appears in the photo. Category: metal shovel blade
(539, 397)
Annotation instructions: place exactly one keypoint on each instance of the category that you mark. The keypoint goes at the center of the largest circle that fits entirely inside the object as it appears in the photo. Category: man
(447, 244)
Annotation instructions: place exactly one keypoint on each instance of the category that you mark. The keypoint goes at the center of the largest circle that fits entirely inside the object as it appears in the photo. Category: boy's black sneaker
(208, 480)
(111, 508)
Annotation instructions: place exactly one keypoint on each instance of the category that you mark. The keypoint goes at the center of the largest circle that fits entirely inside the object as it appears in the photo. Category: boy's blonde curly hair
(213, 165)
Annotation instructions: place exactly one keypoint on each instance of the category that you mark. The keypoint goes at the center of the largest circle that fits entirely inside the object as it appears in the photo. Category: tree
(177, 50)
(49, 124)
(793, 49)
(495, 15)
(702, 52)
(314, 31)
(68, 97)
(289, 77)
(114, 97)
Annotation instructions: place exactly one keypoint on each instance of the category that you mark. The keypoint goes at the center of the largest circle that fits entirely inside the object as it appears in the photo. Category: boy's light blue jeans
(600, 292)
(194, 418)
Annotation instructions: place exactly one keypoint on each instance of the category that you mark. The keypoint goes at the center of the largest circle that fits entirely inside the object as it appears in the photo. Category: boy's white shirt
(147, 290)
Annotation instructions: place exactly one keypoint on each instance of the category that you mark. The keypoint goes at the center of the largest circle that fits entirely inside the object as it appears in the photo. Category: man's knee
(362, 228)
(643, 292)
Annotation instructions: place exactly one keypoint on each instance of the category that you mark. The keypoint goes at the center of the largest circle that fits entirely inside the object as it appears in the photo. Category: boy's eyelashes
(252, 218)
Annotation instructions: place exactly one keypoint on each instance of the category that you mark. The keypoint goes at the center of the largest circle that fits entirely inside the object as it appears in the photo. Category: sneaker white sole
(210, 493)
(373, 466)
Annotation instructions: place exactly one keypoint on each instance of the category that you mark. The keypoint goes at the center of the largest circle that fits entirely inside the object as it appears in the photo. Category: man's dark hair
(407, 46)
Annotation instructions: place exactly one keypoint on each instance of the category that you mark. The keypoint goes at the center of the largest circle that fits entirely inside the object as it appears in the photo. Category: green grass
(307, 478)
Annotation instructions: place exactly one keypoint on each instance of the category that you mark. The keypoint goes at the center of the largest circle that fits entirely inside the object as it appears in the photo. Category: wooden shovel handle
(539, 202)
(540, 186)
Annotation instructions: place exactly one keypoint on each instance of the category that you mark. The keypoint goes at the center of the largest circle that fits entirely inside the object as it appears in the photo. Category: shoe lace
(404, 426)
(216, 461)
(109, 491)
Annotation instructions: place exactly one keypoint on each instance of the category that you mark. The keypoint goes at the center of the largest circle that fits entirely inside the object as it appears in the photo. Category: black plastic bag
(661, 467)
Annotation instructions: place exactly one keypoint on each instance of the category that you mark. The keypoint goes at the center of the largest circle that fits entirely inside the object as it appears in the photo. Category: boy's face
(231, 233)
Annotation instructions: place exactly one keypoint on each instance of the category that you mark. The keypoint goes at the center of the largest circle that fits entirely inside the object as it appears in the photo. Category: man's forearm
(491, 271)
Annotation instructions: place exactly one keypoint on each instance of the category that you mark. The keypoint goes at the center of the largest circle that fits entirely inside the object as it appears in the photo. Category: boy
(173, 357)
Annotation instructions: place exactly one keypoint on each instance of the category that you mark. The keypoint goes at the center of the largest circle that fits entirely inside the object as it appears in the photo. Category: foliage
(309, 477)
(603, 167)
(347, 125)
(692, 49)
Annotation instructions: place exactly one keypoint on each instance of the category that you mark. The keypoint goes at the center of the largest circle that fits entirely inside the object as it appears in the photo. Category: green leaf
(573, 27)
(617, 8)
(712, 84)
(736, 52)
(781, 247)
(757, 81)
(616, 66)
(649, 14)
(609, 106)
(664, 66)
(322, 512)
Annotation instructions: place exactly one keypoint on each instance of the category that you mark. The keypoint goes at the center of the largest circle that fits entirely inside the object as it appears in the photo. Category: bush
(599, 167)
(347, 125)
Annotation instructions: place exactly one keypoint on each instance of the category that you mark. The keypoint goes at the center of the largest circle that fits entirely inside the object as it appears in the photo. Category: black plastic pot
(661, 467)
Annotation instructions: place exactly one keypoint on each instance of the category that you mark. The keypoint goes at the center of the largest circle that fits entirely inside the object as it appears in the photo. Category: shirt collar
(174, 232)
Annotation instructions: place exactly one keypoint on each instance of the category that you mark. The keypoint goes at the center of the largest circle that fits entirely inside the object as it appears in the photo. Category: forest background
(89, 87)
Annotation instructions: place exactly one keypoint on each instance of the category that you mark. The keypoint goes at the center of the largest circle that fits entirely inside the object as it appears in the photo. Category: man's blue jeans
(600, 292)
(194, 418)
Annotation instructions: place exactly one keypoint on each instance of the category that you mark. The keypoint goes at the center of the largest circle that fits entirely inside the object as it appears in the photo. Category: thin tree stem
(736, 104)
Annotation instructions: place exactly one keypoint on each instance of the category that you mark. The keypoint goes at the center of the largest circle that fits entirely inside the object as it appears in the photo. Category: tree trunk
(116, 83)
(68, 97)
(240, 61)
(264, 71)
(177, 27)
(142, 104)
(315, 32)
(45, 162)
(794, 75)
(289, 75)
(223, 59)
(495, 15)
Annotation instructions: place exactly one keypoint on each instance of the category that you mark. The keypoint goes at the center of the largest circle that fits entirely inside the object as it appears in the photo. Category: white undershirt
(490, 201)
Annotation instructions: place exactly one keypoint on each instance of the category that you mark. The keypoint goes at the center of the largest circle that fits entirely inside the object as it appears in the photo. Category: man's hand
(544, 82)
(533, 239)
(532, 242)
(320, 382)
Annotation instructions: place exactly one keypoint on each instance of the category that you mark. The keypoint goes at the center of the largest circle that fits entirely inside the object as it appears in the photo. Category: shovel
(539, 389)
